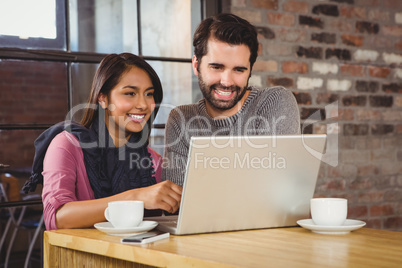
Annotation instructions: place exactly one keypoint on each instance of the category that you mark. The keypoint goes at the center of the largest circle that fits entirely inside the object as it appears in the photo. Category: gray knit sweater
(271, 111)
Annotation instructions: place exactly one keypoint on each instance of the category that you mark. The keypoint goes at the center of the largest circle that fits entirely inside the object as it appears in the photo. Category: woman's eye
(130, 93)
(149, 94)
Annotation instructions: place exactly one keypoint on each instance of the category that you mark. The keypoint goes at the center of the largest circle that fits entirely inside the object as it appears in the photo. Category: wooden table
(280, 247)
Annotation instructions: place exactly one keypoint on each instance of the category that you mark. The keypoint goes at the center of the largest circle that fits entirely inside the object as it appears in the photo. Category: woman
(106, 158)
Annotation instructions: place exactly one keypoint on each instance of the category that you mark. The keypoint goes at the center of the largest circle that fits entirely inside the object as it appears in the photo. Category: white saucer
(348, 226)
(108, 228)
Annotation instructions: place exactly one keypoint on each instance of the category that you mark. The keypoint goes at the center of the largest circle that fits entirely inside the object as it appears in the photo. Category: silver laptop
(246, 182)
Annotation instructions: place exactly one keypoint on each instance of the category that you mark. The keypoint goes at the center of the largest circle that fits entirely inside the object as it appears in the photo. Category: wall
(30, 93)
(345, 55)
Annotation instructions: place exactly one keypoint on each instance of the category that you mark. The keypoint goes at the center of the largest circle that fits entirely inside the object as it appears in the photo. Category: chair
(16, 222)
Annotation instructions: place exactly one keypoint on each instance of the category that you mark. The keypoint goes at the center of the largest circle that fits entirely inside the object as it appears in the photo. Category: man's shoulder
(271, 90)
(185, 111)
(183, 107)
(273, 93)
(271, 99)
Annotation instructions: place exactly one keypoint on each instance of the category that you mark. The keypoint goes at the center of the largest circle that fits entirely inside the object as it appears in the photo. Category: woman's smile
(137, 118)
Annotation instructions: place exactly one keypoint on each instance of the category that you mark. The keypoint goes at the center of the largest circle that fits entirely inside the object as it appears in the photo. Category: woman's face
(130, 103)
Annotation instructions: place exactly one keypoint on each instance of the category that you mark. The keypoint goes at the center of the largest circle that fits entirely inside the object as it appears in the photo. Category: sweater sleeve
(157, 163)
(176, 148)
(64, 176)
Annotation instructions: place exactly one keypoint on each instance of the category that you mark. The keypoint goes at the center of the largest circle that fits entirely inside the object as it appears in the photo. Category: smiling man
(225, 50)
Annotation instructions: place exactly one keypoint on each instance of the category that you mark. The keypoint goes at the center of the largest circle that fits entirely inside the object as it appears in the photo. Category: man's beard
(220, 104)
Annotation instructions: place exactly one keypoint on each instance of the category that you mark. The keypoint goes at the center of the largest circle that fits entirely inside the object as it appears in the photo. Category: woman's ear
(102, 100)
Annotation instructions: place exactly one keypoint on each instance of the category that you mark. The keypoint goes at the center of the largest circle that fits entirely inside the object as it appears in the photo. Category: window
(50, 54)
(33, 24)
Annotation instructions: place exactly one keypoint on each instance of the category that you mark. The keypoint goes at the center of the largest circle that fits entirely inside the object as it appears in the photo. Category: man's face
(223, 77)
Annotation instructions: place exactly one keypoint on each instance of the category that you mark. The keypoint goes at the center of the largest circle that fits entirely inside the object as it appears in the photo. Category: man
(225, 48)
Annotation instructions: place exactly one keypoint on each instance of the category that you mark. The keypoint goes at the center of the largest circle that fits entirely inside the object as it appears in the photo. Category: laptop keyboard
(169, 223)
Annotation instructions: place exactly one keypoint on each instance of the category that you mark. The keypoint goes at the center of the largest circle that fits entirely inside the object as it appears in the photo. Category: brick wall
(344, 54)
(30, 93)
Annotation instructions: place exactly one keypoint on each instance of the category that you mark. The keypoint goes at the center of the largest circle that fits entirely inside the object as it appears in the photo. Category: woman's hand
(165, 195)
(80, 214)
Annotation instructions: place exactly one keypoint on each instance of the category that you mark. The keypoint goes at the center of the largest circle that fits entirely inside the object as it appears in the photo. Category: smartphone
(144, 238)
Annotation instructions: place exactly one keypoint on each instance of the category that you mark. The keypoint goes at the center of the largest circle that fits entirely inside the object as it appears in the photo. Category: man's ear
(195, 65)
(102, 100)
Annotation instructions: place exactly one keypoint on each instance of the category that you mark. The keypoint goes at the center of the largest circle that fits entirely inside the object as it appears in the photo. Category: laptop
(246, 182)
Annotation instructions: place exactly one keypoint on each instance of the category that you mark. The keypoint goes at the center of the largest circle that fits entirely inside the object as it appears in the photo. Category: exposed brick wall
(30, 93)
(349, 51)
(17, 147)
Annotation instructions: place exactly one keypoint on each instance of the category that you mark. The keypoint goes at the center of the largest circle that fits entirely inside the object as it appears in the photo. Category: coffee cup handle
(107, 214)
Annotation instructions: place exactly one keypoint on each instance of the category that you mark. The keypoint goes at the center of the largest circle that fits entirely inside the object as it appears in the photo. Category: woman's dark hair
(108, 75)
(226, 28)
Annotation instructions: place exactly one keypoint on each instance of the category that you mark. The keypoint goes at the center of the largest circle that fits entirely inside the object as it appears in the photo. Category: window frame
(67, 56)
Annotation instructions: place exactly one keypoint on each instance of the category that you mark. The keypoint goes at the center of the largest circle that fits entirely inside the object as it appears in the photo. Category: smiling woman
(87, 165)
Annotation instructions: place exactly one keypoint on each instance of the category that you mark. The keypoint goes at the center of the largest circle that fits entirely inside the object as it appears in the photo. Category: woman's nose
(141, 103)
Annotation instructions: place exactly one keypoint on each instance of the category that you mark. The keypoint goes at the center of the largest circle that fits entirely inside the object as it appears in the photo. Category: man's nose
(226, 79)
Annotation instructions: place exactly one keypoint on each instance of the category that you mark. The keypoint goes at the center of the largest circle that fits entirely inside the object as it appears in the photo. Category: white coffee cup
(329, 211)
(125, 214)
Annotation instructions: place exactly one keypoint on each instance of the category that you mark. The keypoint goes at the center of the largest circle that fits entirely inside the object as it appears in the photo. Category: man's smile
(224, 94)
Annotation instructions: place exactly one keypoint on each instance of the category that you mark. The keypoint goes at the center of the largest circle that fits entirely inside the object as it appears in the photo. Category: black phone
(147, 237)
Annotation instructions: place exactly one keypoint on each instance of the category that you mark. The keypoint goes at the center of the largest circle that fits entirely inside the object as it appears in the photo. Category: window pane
(17, 147)
(103, 26)
(32, 24)
(176, 83)
(32, 92)
(41, 16)
(81, 81)
(166, 28)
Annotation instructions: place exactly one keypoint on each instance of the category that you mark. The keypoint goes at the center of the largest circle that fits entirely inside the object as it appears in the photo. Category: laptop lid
(247, 182)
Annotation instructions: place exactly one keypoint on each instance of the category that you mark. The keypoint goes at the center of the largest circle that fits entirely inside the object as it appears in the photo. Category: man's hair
(226, 28)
